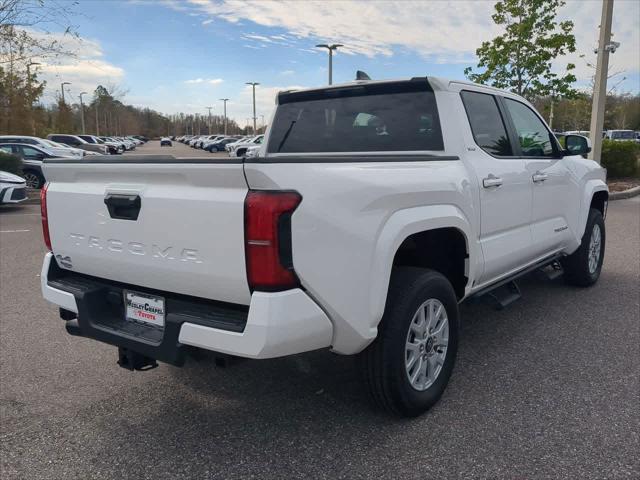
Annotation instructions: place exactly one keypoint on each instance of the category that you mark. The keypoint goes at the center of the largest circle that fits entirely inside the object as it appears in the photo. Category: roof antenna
(360, 75)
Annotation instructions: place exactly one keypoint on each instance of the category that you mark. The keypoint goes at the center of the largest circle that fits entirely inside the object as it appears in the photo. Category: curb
(632, 192)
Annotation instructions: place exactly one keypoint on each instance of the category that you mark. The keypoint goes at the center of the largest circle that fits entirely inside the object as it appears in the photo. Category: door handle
(539, 177)
(491, 181)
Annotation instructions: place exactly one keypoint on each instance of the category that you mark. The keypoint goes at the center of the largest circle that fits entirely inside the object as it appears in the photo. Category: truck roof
(436, 83)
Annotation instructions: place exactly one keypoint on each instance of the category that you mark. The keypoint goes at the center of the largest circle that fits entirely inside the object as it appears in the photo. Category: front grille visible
(19, 194)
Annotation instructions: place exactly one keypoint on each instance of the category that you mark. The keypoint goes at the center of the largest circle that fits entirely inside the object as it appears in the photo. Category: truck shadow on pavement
(269, 408)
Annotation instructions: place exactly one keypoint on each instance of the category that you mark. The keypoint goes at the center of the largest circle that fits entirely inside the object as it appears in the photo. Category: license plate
(144, 308)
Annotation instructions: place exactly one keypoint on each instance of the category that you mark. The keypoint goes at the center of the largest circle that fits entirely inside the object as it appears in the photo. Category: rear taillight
(268, 239)
(43, 213)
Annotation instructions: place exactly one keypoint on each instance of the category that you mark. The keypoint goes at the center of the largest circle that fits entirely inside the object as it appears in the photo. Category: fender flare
(591, 187)
(398, 227)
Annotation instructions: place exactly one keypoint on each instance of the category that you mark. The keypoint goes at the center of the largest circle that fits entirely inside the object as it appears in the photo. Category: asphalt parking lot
(177, 149)
(548, 388)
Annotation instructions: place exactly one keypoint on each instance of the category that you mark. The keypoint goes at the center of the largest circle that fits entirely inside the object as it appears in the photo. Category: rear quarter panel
(351, 220)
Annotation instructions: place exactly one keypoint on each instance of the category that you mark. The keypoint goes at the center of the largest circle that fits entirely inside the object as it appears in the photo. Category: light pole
(605, 45)
(225, 100)
(33, 120)
(82, 111)
(97, 120)
(253, 84)
(209, 108)
(331, 48)
(62, 89)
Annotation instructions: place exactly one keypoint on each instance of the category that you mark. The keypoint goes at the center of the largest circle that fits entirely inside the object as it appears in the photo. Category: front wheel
(409, 364)
(583, 267)
(33, 179)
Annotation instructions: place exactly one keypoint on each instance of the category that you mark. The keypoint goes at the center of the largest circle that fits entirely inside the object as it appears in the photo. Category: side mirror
(577, 145)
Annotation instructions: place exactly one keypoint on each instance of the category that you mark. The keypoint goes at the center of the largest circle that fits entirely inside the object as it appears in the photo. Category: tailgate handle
(123, 207)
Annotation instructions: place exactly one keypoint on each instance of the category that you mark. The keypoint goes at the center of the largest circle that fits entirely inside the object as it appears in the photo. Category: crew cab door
(554, 195)
(505, 188)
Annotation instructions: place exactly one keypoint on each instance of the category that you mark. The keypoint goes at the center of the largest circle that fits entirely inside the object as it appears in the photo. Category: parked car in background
(47, 145)
(165, 142)
(621, 135)
(75, 141)
(219, 145)
(13, 188)
(114, 148)
(200, 143)
(32, 158)
(142, 138)
(120, 144)
(212, 139)
(239, 148)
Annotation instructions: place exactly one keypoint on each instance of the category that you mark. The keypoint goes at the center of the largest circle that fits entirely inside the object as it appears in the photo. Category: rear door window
(486, 123)
(386, 117)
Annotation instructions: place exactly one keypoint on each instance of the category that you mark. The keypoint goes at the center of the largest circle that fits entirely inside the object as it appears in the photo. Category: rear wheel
(409, 364)
(583, 267)
(33, 179)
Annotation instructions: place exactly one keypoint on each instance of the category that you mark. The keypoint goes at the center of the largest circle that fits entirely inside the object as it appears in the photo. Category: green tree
(521, 58)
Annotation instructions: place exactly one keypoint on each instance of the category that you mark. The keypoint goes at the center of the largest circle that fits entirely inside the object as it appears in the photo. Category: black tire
(383, 362)
(33, 179)
(576, 266)
(241, 152)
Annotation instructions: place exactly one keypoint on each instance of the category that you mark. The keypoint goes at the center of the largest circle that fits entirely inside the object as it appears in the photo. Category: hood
(10, 178)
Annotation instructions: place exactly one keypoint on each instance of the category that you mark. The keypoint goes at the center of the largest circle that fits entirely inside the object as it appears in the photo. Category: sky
(184, 55)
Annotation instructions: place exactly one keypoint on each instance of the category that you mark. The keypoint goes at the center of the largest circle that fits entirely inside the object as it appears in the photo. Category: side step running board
(505, 295)
(506, 291)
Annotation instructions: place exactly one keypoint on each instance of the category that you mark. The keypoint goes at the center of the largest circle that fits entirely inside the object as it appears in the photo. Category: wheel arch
(428, 226)
(595, 195)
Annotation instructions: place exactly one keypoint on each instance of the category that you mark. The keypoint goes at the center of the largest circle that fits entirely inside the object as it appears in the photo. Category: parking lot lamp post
(224, 100)
(253, 84)
(600, 88)
(62, 89)
(82, 112)
(97, 119)
(331, 48)
(209, 108)
(33, 120)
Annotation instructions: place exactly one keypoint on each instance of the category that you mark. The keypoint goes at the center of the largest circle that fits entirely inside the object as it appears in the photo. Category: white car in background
(238, 149)
(49, 146)
(13, 189)
(253, 151)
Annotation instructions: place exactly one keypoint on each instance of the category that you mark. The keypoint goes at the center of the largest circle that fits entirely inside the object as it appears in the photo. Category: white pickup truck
(372, 210)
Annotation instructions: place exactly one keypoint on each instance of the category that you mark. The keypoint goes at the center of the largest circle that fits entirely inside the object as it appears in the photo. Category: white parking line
(14, 231)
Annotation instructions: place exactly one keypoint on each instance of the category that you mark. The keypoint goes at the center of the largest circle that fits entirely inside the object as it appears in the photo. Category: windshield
(399, 116)
(623, 135)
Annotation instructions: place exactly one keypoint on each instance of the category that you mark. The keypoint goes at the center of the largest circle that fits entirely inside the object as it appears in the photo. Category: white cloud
(85, 69)
(209, 81)
(443, 32)
(438, 30)
(207, 22)
(287, 72)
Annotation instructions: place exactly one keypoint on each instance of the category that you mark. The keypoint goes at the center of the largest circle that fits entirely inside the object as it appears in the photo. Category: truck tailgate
(187, 236)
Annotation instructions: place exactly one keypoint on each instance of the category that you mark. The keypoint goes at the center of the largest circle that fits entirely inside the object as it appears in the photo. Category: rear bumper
(273, 325)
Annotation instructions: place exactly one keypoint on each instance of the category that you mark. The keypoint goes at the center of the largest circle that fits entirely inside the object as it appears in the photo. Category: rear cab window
(383, 117)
